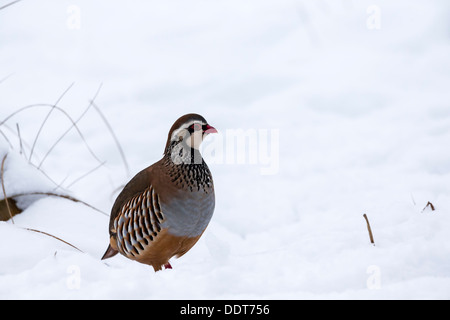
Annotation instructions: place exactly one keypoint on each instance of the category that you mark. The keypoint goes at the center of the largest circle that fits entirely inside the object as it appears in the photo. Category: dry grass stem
(51, 194)
(6, 78)
(22, 151)
(64, 113)
(86, 174)
(74, 124)
(3, 188)
(50, 235)
(46, 118)
(369, 229)
(7, 140)
(9, 4)
(122, 154)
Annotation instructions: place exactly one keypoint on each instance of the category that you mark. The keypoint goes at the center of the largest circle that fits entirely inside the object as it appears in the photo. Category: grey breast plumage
(192, 213)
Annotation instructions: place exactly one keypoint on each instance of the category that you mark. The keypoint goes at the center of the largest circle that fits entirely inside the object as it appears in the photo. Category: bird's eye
(195, 127)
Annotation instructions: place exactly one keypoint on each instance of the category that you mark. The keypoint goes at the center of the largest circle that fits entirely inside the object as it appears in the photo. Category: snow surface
(350, 115)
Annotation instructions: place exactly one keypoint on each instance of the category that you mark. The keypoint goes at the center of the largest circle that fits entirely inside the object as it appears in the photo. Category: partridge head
(163, 211)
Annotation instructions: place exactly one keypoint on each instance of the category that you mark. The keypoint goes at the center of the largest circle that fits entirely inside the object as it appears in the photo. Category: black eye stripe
(196, 126)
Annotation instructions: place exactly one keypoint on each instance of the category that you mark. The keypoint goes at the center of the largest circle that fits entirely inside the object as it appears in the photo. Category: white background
(358, 91)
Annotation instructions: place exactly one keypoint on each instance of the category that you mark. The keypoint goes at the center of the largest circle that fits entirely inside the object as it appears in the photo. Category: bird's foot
(167, 266)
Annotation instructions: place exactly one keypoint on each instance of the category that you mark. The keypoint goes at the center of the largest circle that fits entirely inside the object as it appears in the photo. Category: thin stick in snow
(429, 204)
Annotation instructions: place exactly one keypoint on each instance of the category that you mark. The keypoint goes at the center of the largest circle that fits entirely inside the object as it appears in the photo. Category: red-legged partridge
(165, 208)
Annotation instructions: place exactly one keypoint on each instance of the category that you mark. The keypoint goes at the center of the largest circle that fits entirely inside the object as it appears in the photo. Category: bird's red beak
(210, 129)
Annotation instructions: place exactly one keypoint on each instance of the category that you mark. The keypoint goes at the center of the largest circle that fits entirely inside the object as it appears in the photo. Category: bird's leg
(167, 266)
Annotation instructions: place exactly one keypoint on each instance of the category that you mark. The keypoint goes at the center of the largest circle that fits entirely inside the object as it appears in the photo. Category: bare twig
(429, 204)
(46, 118)
(370, 229)
(122, 154)
(3, 188)
(60, 196)
(50, 235)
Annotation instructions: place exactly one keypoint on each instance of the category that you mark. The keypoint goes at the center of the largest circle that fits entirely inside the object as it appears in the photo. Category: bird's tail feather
(110, 252)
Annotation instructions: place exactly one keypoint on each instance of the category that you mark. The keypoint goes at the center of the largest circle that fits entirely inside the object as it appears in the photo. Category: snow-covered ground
(345, 110)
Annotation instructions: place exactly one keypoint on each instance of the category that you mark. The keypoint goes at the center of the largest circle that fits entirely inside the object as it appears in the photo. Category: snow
(350, 114)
